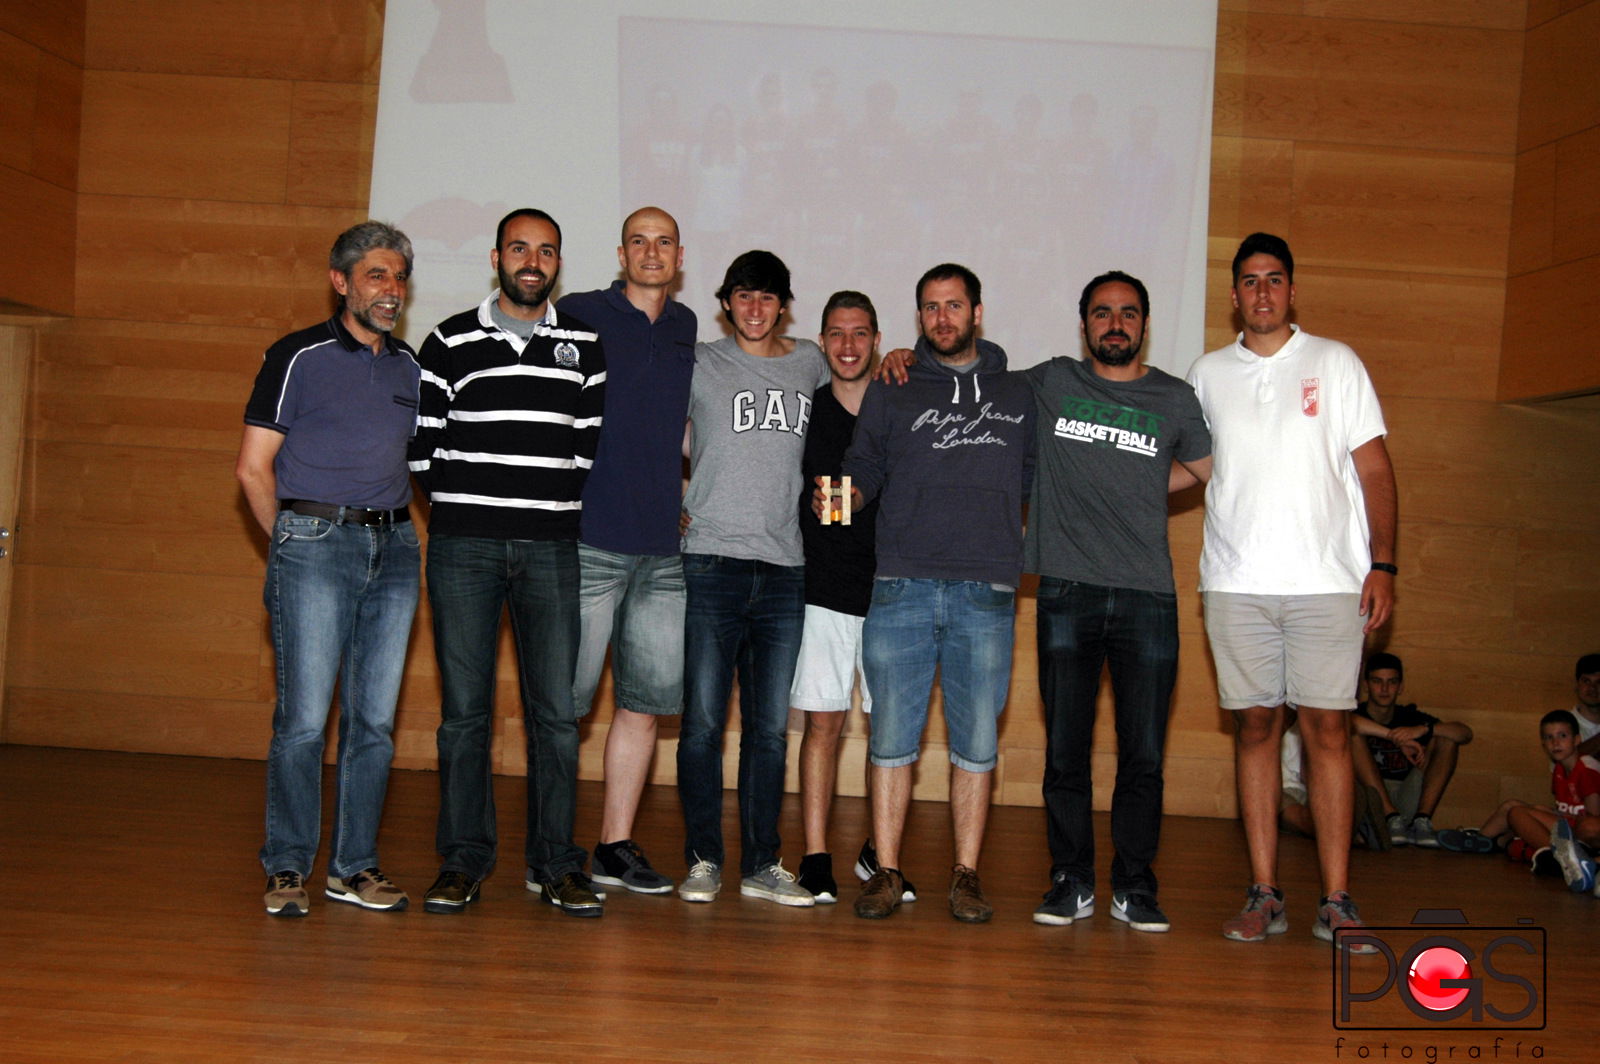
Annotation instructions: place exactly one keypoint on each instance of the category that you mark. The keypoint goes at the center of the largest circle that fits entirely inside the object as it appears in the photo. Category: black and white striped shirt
(507, 428)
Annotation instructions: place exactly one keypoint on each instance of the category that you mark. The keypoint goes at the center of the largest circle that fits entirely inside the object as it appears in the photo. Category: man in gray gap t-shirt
(744, 573)
(1109, 429)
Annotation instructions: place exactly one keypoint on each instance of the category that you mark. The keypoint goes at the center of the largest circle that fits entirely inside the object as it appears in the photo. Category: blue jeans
(471, 582)
(745, 615)
(1083, 627)
(965, 628)
(340, 599)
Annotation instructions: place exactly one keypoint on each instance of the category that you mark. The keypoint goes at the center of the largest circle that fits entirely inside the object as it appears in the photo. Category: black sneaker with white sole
(623, 864)
(1066, 900)
(867, 867)
(816, 876)
(1138, 909)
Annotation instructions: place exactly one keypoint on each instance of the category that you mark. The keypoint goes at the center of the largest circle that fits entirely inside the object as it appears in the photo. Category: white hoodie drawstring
(977, 390)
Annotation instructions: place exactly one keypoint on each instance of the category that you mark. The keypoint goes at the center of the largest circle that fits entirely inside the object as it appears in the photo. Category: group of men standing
(548, 440)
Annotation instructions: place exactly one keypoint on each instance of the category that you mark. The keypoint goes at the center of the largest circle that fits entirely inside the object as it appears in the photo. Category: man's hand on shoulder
(893, 367)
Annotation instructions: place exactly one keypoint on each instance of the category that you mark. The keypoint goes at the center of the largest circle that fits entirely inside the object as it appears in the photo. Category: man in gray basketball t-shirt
(744, 573)
(1109, 429)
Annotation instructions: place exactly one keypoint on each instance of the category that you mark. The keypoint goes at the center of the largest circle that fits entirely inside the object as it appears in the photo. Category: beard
(956, 345)
(1107, 355)
(364, 316)
(531, 297)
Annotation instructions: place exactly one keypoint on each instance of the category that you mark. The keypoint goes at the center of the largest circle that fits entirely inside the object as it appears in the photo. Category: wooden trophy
(838, 496)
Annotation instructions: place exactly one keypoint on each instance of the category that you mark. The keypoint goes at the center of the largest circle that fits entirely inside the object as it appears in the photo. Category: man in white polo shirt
(1298, 564)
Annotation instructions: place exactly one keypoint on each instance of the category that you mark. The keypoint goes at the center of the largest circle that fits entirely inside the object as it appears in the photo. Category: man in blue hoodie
(948, 457)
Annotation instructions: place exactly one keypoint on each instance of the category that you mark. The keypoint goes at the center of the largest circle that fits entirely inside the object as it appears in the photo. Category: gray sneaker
(775, 883)
(1338, 913)
(705, 880)
(1399, 830)
(1066, 901)
(1422, 833)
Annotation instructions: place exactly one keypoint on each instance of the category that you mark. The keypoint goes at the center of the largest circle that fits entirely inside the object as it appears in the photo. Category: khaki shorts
(1303, 650)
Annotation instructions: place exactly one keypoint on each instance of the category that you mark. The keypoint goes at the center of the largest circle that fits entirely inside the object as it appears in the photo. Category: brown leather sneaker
(967, 903)
(880, 895)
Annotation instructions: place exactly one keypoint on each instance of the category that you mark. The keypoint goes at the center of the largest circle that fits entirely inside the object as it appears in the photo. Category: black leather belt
(345, 515)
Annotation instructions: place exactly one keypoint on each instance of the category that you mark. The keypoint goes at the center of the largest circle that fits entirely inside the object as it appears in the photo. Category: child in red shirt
(1575, 783)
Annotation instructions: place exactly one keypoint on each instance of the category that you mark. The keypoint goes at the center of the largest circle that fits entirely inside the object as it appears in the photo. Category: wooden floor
(133, 931)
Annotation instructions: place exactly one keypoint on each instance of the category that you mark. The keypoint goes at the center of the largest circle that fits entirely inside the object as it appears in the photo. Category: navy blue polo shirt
(345, 413)
(634, 492)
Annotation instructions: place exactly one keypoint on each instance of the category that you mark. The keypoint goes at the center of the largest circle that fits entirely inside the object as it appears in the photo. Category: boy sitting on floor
(1572, 825)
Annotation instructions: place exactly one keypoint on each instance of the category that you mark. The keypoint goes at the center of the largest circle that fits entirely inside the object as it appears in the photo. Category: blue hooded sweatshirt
(951, 455)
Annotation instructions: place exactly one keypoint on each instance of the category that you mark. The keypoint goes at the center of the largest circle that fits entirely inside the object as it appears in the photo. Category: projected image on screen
(863, 157)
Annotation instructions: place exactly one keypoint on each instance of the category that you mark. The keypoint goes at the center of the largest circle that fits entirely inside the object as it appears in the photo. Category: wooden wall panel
(1576, 198)
(36, 256)
(56, 132)
(283, 40)
(55, 27)
(168, 520)
(1560, 77)
(1555, 259)
(179, 260)
(1533, 215)
(1432, 334)
(182, 136)
(1483, 14)
(1252, 187)
(330, 144)
(40, 85)
(1564, 297)
(1361, 82)
(146, 384)
(1405, 210)
(19, 78)
(185, 635)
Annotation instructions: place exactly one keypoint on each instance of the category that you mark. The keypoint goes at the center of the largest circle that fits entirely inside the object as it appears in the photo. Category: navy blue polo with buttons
(346, 415)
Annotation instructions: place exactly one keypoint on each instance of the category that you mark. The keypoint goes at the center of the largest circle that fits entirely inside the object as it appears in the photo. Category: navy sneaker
(623, 864)
(1138, 909)
(1066, 900)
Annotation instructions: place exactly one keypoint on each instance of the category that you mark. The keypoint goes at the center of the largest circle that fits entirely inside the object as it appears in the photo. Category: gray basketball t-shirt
(1099, 509)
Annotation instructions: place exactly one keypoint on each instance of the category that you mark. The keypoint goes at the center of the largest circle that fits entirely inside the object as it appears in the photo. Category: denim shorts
(1304, 650)
(634, 604)
(965, 629)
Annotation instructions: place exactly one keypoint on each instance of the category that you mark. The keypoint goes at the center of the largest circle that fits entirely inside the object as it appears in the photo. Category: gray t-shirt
(1099, 512)
(750, 416)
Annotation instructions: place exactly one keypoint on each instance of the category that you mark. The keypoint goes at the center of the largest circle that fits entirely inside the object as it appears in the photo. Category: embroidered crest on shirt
(567, 355)
(1309, 387)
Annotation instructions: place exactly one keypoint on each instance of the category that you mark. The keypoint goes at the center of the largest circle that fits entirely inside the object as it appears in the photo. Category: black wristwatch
(1385, 567)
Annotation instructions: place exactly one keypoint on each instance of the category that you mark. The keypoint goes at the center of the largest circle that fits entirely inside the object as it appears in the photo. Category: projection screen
(1039, 142)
